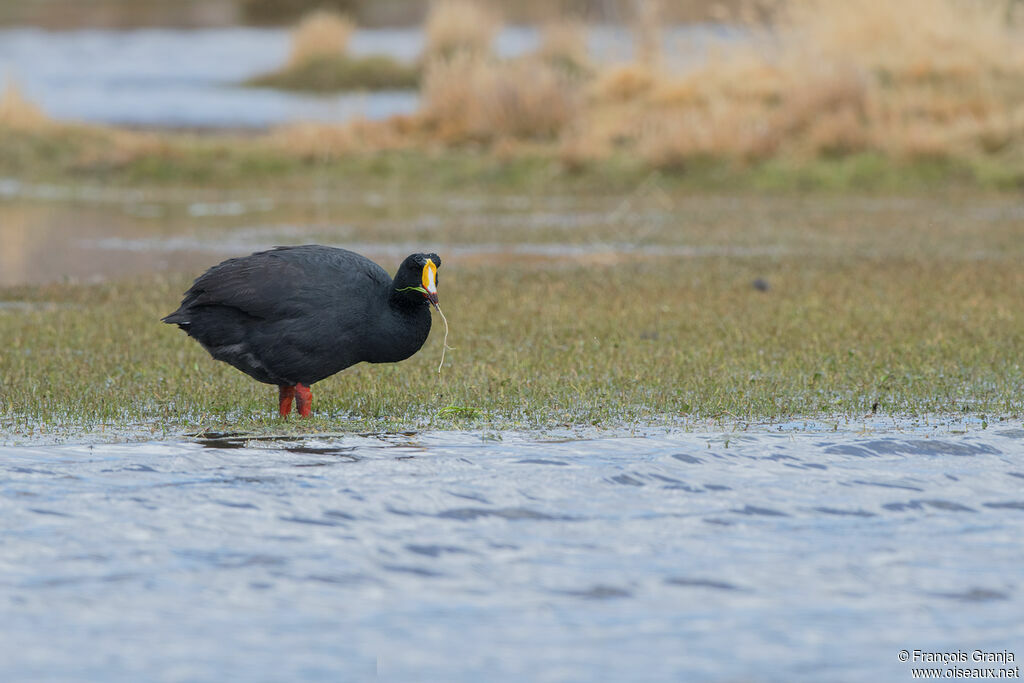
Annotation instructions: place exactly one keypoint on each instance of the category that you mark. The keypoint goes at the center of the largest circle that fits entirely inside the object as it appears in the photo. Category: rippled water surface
(759, 555)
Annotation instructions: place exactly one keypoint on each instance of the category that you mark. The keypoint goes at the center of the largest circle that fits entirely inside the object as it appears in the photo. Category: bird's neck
(403, 331)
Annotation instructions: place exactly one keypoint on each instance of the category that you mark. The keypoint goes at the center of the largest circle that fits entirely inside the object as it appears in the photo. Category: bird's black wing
(280, 284)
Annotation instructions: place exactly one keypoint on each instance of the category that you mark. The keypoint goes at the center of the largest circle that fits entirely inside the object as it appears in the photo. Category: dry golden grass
(466, 98)
(564, 41)
(18, 113)
(323, 141)
(460, 26)
(917, 79)
(320, 34)
(647, 26)
(623, 82)
(910, 40)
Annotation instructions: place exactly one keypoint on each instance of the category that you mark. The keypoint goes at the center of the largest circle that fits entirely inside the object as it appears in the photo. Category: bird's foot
(303, 399)
(285, 395)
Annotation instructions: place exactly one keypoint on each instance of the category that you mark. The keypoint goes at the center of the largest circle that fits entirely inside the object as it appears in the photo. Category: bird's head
(417, 276)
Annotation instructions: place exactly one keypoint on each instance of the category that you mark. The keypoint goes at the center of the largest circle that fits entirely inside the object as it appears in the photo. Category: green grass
(71, 154)
(637, 342)
(339, 73)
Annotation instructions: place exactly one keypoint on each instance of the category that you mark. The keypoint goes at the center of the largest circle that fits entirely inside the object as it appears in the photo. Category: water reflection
(46, 242)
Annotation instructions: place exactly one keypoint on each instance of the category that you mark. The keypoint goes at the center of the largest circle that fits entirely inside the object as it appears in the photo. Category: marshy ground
(567, 306)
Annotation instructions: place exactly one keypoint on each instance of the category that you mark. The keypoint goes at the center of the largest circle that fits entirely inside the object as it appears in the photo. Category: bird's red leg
(285, 395)
(303, 399)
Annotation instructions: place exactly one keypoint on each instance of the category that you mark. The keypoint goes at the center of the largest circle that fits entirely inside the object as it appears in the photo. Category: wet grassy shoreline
(845, 329)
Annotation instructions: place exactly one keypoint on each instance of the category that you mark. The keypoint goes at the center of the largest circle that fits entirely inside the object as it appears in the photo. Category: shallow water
(83, 234)
(671, 555)
(161, 77)
(189, 78)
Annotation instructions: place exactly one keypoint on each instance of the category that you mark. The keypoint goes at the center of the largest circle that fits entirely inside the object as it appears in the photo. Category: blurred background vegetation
(933, 82)
(59, 14)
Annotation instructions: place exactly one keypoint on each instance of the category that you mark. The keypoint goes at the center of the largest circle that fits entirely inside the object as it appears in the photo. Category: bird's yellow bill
(430, 277)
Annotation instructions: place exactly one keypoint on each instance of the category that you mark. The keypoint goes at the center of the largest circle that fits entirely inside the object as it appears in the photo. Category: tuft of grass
(647, 25)
(464, 412)
(623, 83)
(455, 27)
(320, 34)
(18, 113)
(333, 73)
(319, 61)
(465, 98)
(563, 43)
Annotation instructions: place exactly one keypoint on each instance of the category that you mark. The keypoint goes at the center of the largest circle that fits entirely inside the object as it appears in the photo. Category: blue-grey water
(758, 555)
(190, 78)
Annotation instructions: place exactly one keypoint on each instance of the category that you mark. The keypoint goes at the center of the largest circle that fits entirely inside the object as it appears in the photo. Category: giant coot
(292, 316)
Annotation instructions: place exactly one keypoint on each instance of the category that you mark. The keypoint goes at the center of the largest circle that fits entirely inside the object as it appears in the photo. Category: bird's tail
(177, 318)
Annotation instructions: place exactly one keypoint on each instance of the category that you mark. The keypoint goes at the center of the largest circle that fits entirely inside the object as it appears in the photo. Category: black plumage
(292, 316)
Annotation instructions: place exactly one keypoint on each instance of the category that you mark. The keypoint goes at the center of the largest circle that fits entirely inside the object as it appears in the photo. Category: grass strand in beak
(444, 346)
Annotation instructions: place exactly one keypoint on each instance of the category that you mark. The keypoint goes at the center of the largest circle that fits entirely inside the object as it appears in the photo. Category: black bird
(292, 316)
